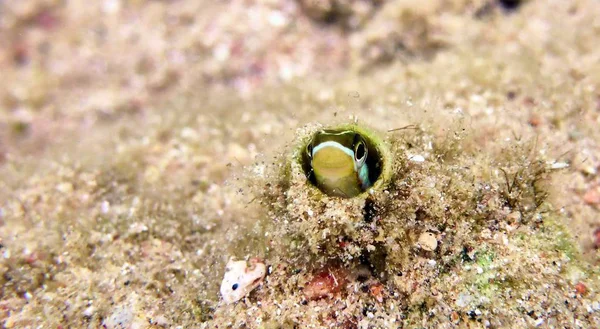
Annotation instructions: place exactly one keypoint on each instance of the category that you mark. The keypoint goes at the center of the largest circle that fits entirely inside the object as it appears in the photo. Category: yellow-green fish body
(338, 162)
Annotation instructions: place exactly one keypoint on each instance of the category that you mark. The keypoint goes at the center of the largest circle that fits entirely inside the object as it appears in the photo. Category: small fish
(338, 160)
(240, 279)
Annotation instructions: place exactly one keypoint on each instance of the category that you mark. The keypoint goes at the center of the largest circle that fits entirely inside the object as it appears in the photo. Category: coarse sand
(145, 143)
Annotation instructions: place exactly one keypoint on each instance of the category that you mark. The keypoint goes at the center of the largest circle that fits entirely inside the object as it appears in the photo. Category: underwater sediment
(444, 238)
(144, 144)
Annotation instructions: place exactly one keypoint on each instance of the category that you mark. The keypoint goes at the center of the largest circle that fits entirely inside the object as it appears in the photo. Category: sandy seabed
(144, 143)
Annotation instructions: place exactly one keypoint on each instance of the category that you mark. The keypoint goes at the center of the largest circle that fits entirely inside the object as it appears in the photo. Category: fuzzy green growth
(487, 214)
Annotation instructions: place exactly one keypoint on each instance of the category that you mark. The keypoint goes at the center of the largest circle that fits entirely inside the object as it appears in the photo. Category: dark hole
(364, 288)
(235, 286)
(368, 308)
(510, 5)
(369, 211)
(420, 215)
(375, 261)
(362, 278)
(464, 254)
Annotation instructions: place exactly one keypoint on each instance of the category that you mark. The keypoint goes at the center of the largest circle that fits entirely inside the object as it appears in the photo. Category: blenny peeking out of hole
(338, 162)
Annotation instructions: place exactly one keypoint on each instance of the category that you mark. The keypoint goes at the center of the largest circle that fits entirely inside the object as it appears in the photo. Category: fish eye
(360, 152)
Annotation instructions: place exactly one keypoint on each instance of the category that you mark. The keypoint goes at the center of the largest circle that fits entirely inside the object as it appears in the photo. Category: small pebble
(160, 321)
(559, 165)
(105, 207)
(592, 196)
(416, 158)
(580, 288)
(325, 283)
(454, 317)
(428, 241)
(534, 120)
(88, 312)
(122, 317)
(463, 299)
(376, 290)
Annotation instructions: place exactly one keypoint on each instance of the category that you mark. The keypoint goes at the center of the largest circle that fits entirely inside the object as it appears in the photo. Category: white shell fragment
(416, 158)
(428, 241)
(240, 279)
(559, 165)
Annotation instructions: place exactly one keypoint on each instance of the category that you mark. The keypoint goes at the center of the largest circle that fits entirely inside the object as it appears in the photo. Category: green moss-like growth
(448, 233)
(325, 224)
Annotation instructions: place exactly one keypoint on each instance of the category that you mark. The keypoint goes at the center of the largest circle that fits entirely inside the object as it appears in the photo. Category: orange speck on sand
(592, 196)
(325, 283)
(580, 288)
(376, 290)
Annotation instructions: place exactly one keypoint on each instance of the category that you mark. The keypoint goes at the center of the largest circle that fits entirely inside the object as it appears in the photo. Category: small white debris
(277, 19)
(310, 212)
(559, 165)
(105, 207)
(428, 241)
(221, 52)
(539, 322)
(27, 295)
(160, 321)
(88, 312)
(259, 170)
(463, 299)
(479, 270)
(64, 187)
(416, 158)
(111, 6)
(188, 133)
(121, 318)
(137, 228)
(240, 279)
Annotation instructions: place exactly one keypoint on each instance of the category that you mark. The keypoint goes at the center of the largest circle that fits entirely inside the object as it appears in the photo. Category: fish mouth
(331, 162)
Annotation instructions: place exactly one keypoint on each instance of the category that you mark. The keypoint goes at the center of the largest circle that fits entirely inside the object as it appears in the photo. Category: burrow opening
(375, 159)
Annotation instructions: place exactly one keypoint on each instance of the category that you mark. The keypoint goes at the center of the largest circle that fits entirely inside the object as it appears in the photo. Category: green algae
(488, 195)
(489, 222)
